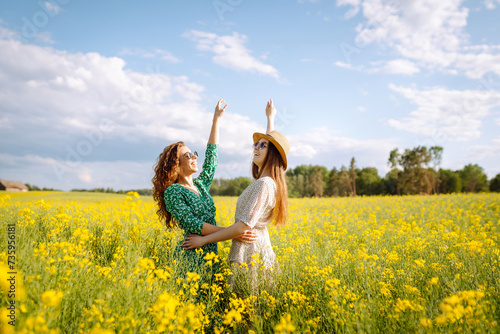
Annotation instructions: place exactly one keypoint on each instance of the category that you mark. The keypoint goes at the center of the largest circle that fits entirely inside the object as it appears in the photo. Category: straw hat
(278, 140)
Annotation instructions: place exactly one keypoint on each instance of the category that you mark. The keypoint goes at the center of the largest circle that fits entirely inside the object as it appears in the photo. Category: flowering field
(102, 263)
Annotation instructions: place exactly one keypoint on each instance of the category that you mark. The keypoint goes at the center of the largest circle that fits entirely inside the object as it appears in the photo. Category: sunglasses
(259, 146)
(190, 155)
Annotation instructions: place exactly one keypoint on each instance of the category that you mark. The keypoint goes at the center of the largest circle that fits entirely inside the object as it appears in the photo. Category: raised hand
(219, 109)
(270, 114)
(270, 110)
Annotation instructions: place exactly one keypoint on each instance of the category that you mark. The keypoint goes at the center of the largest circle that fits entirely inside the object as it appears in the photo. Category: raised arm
(270, 114)
(211, 159)
(214, 132)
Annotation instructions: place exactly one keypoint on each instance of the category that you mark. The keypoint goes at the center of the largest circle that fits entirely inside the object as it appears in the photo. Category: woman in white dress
(264, 200)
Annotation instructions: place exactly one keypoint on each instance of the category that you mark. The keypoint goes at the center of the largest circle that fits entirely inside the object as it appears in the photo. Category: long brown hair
(274, 163)
(166, 173)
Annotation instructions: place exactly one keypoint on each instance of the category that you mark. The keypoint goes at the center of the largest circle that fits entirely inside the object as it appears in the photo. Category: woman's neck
(265, 172)
(186, 180)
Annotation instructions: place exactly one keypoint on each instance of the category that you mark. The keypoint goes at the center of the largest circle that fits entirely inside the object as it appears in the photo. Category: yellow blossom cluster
(104, 263)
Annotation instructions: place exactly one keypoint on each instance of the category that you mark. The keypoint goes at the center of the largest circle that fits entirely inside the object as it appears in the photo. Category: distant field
(57, 196)
(103, 263)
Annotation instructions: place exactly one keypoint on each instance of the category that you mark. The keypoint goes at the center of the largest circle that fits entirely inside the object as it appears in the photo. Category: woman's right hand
(270, 113)
(249, 237)
(219, 109)
(270, 110)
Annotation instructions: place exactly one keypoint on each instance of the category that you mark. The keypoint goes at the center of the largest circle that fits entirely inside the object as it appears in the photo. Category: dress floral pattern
(254, 208)
(191, 210)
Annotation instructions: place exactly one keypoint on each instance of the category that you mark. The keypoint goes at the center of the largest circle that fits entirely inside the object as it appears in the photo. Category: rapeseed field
(103, 263)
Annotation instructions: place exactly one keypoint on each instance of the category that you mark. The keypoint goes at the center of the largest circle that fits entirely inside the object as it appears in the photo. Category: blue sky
(92, 91)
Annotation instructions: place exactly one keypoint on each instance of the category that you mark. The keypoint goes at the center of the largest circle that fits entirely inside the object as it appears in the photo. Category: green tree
(317, 181)
(495, 183)
(473, 178)
(236, 186)
(448, 182)
(32, 187)
(417, 176)
(307, 180)
(352, 175)
(332, 183)
(345, 185)
(368, 181)
(393, 181)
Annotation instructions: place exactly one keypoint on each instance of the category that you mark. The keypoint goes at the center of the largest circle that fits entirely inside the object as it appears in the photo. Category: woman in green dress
(184, 201)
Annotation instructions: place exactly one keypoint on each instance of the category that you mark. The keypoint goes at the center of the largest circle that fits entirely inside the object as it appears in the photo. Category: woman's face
(260, 152)
(188, 165)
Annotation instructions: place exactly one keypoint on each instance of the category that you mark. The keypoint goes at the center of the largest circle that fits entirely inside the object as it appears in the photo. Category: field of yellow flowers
(103, 263)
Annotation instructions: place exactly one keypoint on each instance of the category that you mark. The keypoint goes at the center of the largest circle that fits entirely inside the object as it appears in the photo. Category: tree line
(142, 192)
(413, 171)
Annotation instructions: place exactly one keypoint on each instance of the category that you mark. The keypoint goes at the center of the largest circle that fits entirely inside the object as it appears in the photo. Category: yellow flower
(52, 298)
(232, 316)
(425, 322)
(420, 263)
(99, 330)
(332, 282)
(434, 280)
(286, 325)
(192, 277)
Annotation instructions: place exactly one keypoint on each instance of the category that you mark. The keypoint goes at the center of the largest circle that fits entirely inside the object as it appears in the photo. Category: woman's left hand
(219, 109)
(193, 241)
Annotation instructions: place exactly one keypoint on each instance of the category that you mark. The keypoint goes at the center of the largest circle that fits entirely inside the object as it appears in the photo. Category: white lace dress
(254, 208)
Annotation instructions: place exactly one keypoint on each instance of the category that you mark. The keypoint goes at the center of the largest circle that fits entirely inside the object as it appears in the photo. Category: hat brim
(257, 136)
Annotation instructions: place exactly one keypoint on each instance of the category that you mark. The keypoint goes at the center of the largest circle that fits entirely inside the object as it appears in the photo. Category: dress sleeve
(177, 206)
(257, 203)
(207, 174)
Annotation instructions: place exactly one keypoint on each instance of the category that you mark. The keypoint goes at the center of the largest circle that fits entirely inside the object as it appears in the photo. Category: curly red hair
(166, 169)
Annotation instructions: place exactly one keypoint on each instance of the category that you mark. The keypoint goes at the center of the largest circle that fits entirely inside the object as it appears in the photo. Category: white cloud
(430, 33)
(353, 11)
(491, 4)
(5, 123)
(53, 173)
(235, 169)
(156, 53)
(399, 66)
(321, 140)
(55, 101)
(44, 37)
(230, 52)
(64, 91)
(324, 147)
(480, 152)
(53, 7)
(343, 65)
(446, 114)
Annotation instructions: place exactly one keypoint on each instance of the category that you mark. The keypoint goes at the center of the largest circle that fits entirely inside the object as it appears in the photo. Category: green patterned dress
(191, 210)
